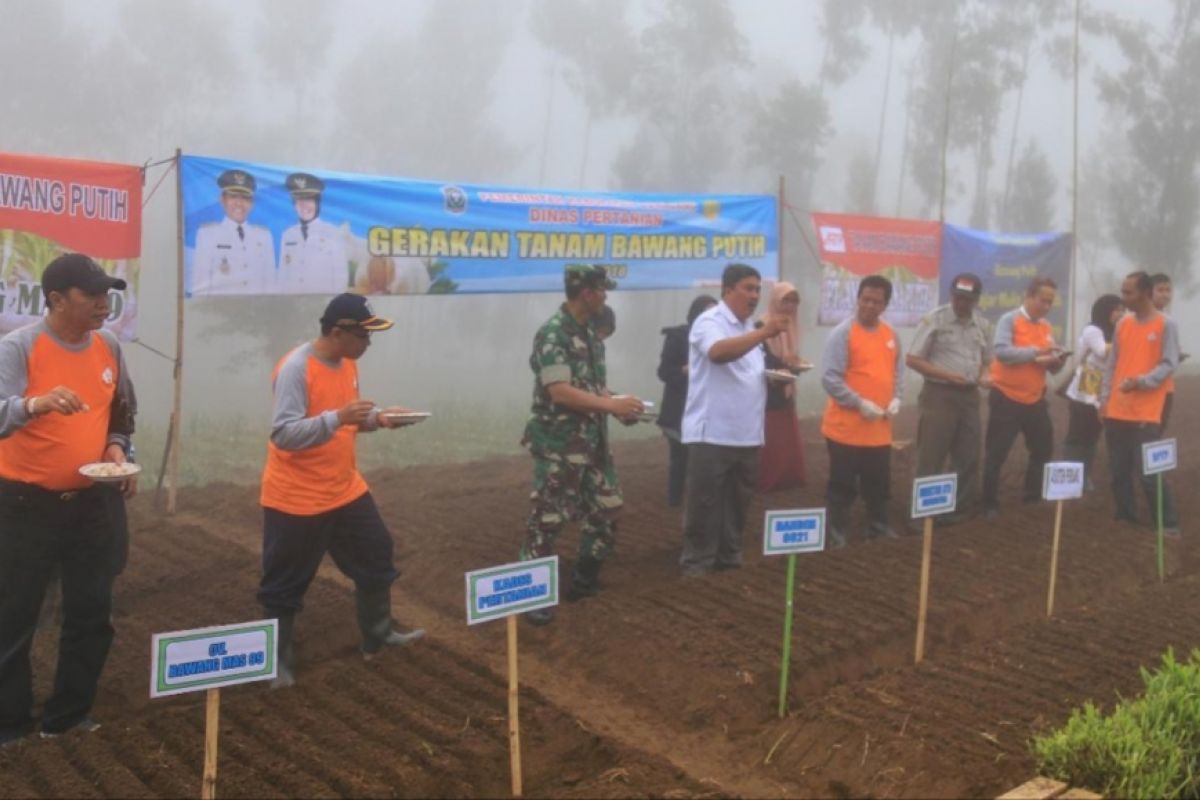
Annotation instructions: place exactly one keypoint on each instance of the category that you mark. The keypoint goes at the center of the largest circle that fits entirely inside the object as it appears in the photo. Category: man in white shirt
(723, 422)
(232, 256)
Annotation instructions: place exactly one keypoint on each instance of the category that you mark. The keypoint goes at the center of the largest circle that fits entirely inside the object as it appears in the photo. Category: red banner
(50, 206)
(905, 251)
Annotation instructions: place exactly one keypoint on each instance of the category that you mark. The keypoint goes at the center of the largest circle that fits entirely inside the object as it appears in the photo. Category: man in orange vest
(314, 499)
(863, 374)
(1023, 352)
(1144, 356)
(65, 401)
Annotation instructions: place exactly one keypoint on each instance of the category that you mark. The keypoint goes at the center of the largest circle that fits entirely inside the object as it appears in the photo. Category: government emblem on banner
(711, 209)
(455, 199)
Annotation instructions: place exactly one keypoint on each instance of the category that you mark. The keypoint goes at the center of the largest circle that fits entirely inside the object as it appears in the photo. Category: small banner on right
(1006, 262)
(905, 251)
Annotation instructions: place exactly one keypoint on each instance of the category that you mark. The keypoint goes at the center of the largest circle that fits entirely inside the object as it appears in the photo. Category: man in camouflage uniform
(573, 472)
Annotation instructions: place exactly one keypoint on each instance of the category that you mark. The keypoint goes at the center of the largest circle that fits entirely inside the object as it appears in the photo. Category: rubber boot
(584, 579)
(374, 611)
(285, 656)
(836, 524)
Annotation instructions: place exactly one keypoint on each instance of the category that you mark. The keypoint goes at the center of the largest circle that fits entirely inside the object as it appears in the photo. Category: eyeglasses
(355, 331)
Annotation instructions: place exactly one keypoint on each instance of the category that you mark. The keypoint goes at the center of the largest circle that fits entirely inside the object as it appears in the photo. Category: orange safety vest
(871, 372)
(1024, 383)
(49, 450)
(322, 478)
(1139, 349)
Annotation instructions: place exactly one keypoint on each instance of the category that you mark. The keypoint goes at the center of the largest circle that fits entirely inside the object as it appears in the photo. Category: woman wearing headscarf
(673, 372)
(781, 460)
(1083, 427)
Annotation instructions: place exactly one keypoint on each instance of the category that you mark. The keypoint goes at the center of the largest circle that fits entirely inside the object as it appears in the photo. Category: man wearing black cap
(232, 256)
(314, 499)
(567, 434)
(952, 349)
(313, 257)
(65, 401)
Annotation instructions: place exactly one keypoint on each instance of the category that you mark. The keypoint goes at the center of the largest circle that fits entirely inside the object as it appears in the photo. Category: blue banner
(259, 229)
(1006, 263)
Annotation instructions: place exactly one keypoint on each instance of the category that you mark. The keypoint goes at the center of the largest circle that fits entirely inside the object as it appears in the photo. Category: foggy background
(846, 99)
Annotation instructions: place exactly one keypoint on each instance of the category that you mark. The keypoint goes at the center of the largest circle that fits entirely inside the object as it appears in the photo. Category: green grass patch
(1147, 747)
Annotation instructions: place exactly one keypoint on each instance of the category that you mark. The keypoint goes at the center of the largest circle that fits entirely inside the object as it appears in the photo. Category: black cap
(349, 310)
(77, 270)
(967, 283)
(237, 181)
(301, 184)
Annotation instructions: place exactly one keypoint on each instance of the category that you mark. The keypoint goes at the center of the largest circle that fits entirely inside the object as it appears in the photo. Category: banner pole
(514, 724)
(785, 665)
(926, 553)
(779, 225)
(1159, 516)
(177, 407)
(1054, 557)
(212, 730)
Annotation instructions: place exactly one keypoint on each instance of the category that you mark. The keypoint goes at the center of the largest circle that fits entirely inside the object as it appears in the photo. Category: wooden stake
(212, 729)
(514, 725)
(1054, 557)
(926, 552)
(176, 411)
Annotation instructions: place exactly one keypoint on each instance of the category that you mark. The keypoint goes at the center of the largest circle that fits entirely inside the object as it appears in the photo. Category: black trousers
(1083, 434)
(852, 468)
(720, 485)
(1006, 419)
(41, 530)
(677, 474)
(1125, 440)
(293, 547)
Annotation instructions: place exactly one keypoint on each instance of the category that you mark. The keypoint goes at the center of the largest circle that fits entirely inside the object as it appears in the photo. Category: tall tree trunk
(1012, 142)
(904, 146)
(883, 113)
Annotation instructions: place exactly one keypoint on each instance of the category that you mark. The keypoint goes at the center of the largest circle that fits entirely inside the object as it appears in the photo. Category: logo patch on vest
(1153, 337)
(107, 376)
(891, 344)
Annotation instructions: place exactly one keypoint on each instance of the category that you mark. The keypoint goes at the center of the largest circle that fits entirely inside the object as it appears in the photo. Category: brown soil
(657, 687)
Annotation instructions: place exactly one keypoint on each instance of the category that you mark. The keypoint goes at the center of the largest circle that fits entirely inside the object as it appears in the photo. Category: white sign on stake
(934, 494)
(209, 658)
(1062, 480)
(800, 530)
(510, 589)
(1158, 457)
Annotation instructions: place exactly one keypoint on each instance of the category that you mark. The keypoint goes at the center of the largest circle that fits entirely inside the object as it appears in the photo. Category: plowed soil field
(658, 686)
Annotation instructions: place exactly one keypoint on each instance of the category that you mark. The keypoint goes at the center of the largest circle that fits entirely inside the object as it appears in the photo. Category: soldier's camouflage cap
(237, 181)
(587, 276)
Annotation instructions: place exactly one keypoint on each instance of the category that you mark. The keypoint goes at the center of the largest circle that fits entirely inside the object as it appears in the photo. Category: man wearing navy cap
(313, 257)
(314, 499)
(232, 256)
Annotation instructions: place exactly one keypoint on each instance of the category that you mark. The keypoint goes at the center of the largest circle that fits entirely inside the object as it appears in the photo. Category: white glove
(869, 410)
(893, 407)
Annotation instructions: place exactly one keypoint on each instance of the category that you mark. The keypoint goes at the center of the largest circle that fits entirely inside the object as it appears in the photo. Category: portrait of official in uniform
(232, 256)
(313, 254)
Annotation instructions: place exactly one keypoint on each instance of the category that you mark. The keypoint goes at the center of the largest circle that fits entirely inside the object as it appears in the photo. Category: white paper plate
(405, 416)
(780, 375)
(98, 471)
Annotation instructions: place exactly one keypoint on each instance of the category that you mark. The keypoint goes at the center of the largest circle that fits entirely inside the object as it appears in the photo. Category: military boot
(585, 579)
(837, 522)
(374, 611)
(285, 657)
